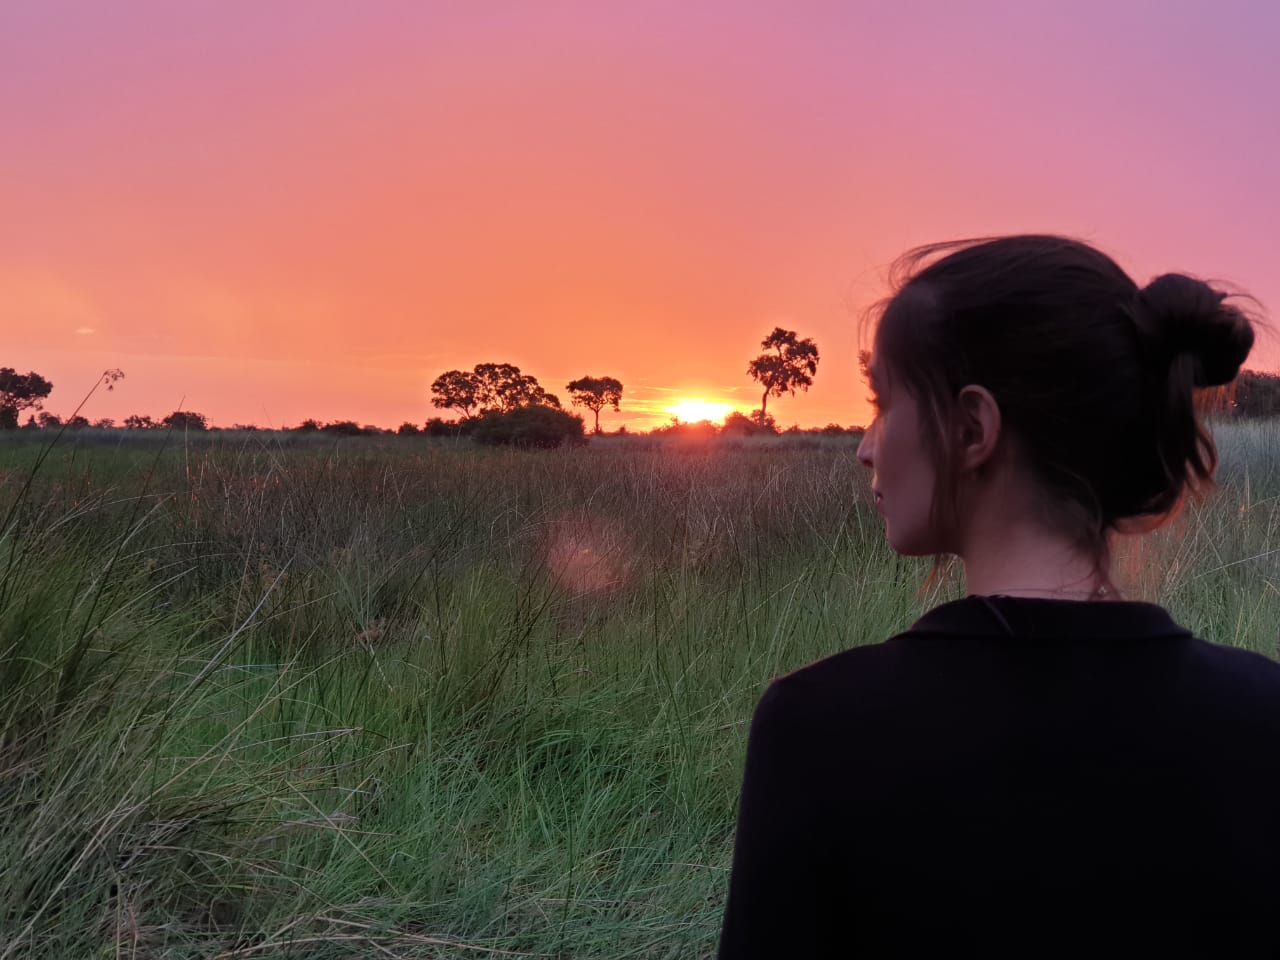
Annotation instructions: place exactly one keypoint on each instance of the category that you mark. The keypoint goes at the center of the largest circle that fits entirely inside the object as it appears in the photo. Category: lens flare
(586, 555)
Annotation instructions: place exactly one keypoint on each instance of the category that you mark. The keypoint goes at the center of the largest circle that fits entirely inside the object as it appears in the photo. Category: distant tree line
(340, 428)
(501, 405)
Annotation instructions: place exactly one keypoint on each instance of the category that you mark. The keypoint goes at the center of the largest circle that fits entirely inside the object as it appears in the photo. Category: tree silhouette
(501, 386)
(489, 387)
(139, 421)
(455, 389)
(595, 393)
(18, 392)
(791, 365)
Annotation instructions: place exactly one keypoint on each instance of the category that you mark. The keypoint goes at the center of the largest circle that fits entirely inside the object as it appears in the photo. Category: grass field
(403, 698)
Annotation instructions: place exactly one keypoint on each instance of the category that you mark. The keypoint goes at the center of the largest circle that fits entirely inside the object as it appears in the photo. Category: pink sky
(267, 212)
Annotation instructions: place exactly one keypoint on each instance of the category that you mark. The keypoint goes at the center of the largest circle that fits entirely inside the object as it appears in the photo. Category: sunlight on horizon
(693, 410)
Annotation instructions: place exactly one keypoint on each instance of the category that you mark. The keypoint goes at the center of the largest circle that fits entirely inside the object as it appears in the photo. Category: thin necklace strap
(1103, 591)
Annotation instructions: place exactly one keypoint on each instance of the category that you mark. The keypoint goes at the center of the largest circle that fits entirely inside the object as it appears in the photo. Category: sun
(691, 411)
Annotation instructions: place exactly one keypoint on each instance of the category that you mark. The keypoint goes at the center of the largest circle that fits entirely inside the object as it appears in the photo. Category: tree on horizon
(595, 393)
(489, 388)
(790, 366)
(18, 392)
(455, 389)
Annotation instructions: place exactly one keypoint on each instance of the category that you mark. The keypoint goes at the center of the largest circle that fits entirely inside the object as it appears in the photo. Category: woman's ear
(980, 424)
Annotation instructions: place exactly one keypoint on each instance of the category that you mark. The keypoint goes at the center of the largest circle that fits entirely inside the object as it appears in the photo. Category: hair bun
(1187, 317)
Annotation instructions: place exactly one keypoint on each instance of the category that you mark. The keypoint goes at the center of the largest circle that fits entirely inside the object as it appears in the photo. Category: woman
(1041, 768)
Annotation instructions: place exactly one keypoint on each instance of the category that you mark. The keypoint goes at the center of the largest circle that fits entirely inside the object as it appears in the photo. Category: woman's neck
(1022, 560)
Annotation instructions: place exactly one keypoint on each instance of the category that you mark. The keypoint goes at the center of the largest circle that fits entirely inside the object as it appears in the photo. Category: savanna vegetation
(326, 696)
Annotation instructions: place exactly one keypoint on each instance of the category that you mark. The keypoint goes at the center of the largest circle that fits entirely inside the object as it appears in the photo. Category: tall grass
(402, 698)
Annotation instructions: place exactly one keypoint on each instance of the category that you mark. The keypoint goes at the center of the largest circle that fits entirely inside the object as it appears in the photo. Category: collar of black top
(1049, 619)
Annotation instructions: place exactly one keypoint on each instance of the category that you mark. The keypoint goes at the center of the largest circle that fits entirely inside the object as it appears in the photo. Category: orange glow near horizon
(693, 411)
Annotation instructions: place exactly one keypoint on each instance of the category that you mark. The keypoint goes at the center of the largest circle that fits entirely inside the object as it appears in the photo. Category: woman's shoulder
(1233, 676)
(982, 646)
(856, 680)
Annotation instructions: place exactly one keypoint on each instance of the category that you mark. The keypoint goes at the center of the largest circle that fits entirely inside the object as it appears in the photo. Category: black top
(1014, 777)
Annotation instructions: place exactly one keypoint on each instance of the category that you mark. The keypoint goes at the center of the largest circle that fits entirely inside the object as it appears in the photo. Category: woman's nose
(867, 449)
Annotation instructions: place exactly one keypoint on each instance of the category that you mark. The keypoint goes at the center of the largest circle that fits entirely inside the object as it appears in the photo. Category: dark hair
(1094, 376)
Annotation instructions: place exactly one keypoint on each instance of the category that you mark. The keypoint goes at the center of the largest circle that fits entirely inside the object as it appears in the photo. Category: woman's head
(1093, 376)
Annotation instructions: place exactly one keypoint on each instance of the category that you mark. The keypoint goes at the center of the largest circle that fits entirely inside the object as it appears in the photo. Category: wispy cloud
(84, 331)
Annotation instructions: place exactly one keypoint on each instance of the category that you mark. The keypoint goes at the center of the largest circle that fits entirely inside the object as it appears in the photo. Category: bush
(185, 420)
(1256, 394)
(742, 425)
(437, 427)
(768, 426)
(534, 426)
(344, 428)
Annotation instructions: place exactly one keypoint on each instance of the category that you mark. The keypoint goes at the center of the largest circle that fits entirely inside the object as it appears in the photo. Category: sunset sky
(272, 211)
